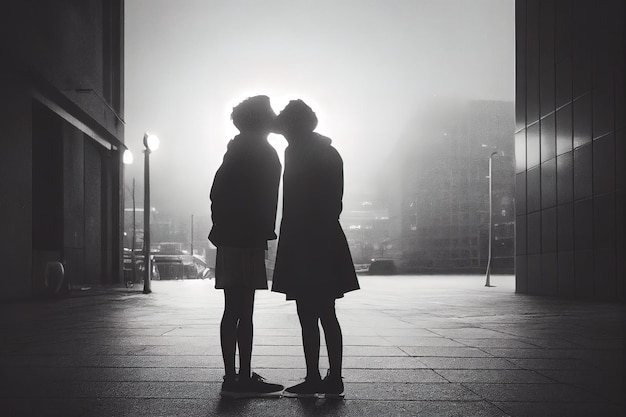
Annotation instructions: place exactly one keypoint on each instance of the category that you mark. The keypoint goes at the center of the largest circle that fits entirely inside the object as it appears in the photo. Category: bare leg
(334, 338)
(245, 331)
(228, 332)
(310, 338)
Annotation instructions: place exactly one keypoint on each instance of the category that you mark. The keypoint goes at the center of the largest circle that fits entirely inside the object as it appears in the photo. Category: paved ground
(414, 346)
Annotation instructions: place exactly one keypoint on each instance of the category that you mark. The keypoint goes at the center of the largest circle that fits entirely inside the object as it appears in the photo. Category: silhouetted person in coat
(243, 209)
(313, 262)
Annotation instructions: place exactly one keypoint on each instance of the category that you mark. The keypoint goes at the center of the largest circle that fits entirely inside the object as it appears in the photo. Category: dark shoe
(230, 388)
(307, 389)
(256, 387)
(332, 387)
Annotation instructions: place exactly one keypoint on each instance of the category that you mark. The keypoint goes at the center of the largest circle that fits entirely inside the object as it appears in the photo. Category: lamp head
(150, 141)
(127, 157)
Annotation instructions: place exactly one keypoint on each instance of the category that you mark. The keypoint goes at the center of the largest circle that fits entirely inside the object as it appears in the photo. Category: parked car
(383, 267)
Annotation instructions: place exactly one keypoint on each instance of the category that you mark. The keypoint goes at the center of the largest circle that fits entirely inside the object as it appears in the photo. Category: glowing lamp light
(127, 157)
(151, 142)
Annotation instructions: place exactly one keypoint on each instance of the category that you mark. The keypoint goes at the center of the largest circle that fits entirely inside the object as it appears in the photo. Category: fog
(365, 66)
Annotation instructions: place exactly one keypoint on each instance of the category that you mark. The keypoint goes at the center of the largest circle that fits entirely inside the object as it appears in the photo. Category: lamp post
(488, 272)
(127, 158)
(150, 143)
(133, 258)
(191, 246)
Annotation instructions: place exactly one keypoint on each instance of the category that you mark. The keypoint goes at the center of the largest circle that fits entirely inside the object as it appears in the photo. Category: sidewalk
(413, 346)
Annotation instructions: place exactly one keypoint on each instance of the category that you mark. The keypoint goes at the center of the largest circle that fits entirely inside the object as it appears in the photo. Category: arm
(267, 188)
(334, 172)
(217, 194)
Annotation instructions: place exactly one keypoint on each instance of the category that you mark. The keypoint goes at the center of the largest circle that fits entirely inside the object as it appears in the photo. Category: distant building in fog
(438, 207)
(366, 225)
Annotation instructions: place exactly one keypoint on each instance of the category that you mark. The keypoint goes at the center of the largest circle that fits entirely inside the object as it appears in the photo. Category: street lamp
(488, 273)
(133, 256)
(127, 158)
(150, 143)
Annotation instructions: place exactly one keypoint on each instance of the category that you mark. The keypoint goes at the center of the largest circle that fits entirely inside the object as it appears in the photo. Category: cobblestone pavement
(413, 346)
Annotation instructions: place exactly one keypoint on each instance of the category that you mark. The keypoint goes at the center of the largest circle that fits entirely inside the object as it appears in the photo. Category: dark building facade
(439, 218)
(62, 129)
(570, 156)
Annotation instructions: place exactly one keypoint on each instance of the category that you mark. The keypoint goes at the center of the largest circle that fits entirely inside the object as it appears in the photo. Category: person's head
(295, 119)
(254, 114)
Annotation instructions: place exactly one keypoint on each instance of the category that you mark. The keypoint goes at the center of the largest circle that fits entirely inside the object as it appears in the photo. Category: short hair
(297, 115)
(253, 113)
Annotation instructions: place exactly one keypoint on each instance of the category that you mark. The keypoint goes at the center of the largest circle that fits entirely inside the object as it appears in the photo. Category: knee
(307, 319)
(228, 322)
(328, 317)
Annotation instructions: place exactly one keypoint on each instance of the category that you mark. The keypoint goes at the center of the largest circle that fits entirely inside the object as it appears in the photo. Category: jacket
(244, 194)
(313, 256)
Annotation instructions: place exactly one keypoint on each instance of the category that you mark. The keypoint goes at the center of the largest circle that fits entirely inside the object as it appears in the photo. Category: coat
(313, 256)
(244, 194)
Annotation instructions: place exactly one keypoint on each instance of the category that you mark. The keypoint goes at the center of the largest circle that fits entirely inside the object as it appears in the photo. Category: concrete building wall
(74, 197)
(15, 184)
(570, 156)
(61, 114)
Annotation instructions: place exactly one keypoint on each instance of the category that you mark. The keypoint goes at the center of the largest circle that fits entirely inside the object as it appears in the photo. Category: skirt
(240, 267)
(313, 262)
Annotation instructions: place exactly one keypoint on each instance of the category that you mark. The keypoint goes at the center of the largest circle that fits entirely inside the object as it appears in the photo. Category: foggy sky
(363, 66)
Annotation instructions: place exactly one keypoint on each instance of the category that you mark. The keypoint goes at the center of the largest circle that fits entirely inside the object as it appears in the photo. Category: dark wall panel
(47, 179)
(93, 213)
(16, 186)
(570, 148)
(74, 196)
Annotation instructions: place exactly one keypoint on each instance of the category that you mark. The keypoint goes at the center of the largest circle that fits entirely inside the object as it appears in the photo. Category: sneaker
(307, 389)
(230, 387)
(256, 387)
(332, 387)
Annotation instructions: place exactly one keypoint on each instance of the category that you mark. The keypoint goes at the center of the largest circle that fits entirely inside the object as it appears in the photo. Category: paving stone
(532, 392)
(469, 333)
(415, 391)
(420, 341)
(551, 363)
(535, 353)
(377, 376)
(381, 362)
(467, 363)
(610, 385)
(445, 351)
(583, 376)
(495, 343)
(361, 351)
(413, 332)
(495, 376)
(278, 340)
(561, 409)
(265, 331)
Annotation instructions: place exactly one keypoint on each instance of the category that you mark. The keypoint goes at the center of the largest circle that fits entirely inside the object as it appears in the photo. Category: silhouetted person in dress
(243, 209)
(313, 262)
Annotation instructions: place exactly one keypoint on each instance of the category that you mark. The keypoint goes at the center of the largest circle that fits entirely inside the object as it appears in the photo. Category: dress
(244, 198)
(313, 257)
